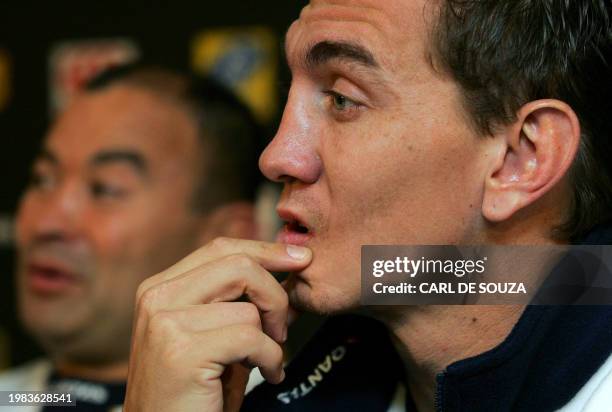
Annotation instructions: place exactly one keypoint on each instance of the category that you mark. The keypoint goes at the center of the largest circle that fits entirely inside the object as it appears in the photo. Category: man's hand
(192, 343)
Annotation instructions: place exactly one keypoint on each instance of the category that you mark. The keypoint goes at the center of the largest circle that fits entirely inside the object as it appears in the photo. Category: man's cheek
(26, 216)
(339, 256)
(376, 193)
(117, 236)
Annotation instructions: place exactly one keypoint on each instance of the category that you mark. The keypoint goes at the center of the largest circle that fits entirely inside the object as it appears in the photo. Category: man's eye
(342, 103)
(41, 181)
(103, 190)
(341, 107)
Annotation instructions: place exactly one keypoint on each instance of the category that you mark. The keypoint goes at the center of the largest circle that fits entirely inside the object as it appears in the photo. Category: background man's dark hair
(229, 135)
(506, 53)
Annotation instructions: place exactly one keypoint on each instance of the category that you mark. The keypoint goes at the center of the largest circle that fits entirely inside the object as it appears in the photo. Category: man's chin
(318, 300)
(53, 322)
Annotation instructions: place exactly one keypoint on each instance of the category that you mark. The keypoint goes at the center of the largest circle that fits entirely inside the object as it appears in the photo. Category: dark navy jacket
(351, 365)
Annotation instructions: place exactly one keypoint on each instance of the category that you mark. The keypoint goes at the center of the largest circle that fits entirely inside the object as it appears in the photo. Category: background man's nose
(58, 214)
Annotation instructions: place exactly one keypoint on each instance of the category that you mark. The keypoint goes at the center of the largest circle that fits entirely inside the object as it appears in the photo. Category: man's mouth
(45, 278)
(294, 230)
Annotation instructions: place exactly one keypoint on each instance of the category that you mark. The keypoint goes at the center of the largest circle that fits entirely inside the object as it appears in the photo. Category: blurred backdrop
(49, 49)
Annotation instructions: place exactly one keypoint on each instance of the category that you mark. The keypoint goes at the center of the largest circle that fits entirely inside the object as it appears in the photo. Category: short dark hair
(506, 53)
(230, 136)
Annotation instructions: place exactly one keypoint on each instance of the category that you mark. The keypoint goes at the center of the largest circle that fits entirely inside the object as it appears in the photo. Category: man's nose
(60, 212)
(292, 154)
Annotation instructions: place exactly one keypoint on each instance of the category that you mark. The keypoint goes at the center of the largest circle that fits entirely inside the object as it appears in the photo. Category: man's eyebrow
(325, 51)
(130, 157)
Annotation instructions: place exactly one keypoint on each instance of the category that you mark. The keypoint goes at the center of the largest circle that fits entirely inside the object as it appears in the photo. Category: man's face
(109, 204)
(374, 146)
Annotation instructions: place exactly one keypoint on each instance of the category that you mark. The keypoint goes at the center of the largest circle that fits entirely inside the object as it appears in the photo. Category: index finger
(271, 256)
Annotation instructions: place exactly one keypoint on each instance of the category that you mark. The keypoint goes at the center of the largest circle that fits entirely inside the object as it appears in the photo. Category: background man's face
(373, 147)
(108, 206)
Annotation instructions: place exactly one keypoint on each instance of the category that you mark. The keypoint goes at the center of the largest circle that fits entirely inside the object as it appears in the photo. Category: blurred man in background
(143, 167)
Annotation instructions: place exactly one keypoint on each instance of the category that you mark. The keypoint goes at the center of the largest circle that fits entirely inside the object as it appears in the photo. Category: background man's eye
(40, 181)
(99, 189)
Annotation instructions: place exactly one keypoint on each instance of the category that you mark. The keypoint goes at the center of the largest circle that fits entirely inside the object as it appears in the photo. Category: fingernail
(297, 252)
(282, 377)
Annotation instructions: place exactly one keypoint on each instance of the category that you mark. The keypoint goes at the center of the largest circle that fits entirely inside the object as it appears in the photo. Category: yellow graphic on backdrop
(243, 59)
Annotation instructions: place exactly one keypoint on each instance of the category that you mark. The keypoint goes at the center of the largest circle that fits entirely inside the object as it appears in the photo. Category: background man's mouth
(48, 279)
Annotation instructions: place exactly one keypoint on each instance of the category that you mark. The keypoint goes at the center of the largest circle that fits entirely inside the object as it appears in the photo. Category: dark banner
(486, 275)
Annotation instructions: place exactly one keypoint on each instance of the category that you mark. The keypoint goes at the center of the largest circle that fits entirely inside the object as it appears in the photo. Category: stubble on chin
(307, 297)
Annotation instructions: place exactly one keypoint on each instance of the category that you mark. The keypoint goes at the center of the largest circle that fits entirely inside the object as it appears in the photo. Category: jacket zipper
(438, 399)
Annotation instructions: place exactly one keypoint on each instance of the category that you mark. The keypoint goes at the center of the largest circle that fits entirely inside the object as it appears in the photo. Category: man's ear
(535, 153)
(236, 220)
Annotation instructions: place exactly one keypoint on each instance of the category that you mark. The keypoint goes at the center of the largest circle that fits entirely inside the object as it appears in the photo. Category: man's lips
(294, 231)
(48, 278)
(290, 235)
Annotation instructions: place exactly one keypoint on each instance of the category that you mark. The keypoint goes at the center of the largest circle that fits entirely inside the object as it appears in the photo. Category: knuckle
(243, 261)
(148, 297)
(221, 243)
(277, 353)
(146, 286)
(142, 289)
(248, 335)
(163, 324)
(250, 314)
(148, 300)
(283, 300)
